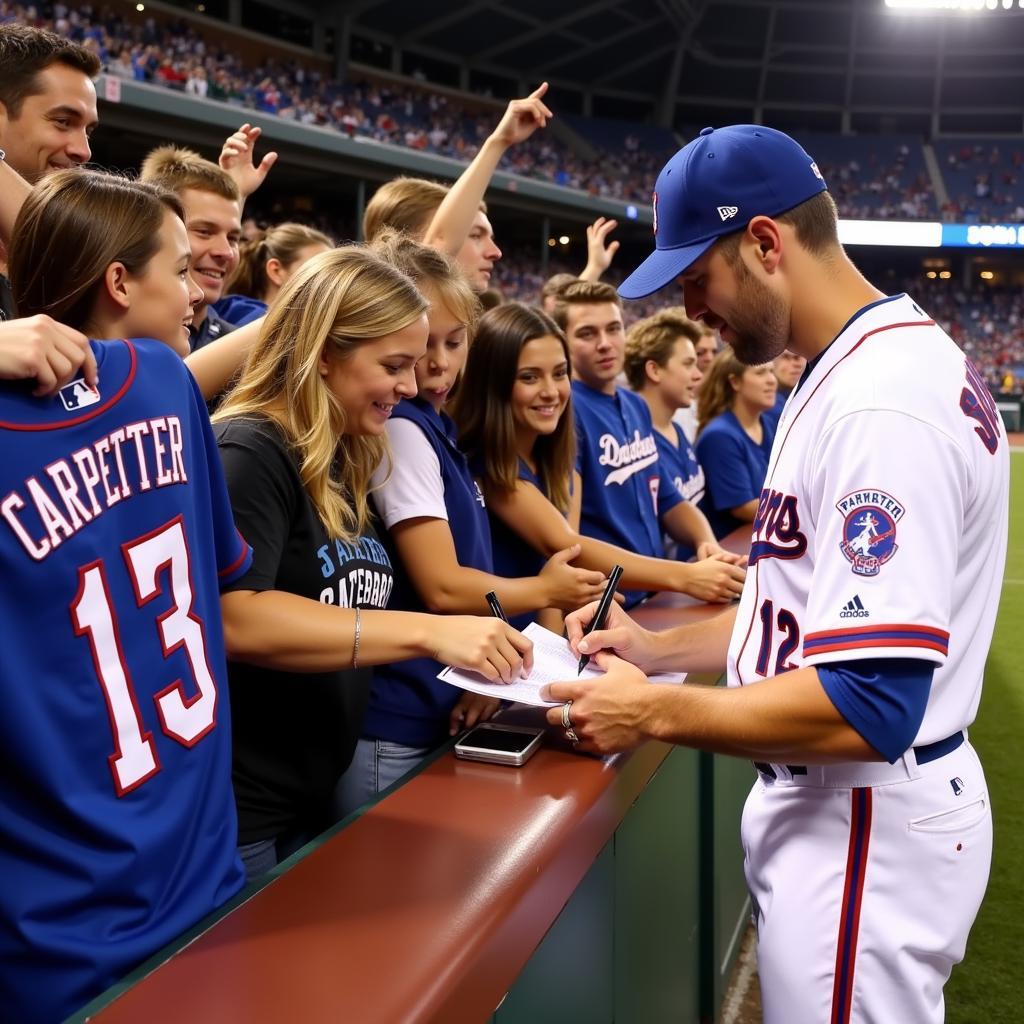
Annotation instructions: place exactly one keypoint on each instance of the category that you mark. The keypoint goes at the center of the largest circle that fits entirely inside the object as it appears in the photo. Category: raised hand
(600, 251)
(237, 157)
(523, 117)
(488, 646)
(569, 588)
(40, 348)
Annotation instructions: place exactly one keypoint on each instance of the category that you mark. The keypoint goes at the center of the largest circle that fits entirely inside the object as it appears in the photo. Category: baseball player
(855, 656)
(118, 828)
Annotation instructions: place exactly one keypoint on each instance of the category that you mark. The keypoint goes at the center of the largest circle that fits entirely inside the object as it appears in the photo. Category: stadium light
(952, 5)
(563, 239)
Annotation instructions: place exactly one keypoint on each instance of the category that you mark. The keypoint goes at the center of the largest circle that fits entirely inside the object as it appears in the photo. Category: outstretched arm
(450, 226)
(526, 511)
(785, 719)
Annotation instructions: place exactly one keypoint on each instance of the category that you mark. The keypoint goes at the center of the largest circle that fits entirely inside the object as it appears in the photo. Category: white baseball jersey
(882, 527)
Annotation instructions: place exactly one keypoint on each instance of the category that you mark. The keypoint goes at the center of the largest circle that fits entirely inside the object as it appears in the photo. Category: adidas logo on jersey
(725, 212)
(77, 395)
(854, 609)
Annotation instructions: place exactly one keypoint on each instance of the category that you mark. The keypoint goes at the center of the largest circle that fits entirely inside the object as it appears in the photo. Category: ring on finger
(570, 735)
(566, 720)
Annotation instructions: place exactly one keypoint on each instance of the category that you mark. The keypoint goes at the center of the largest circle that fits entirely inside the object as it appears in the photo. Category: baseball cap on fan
(714, 186)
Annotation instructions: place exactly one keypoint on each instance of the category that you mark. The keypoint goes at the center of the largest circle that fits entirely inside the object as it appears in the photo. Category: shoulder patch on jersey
(869, 529)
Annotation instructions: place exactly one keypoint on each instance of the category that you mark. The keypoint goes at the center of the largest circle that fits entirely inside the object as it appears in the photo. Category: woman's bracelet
(355, 642)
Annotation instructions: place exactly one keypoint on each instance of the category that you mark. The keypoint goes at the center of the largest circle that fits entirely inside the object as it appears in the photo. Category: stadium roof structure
(833, 65)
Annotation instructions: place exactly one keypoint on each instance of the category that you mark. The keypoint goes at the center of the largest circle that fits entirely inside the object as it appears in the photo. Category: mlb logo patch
(869, 529)
(77, 395)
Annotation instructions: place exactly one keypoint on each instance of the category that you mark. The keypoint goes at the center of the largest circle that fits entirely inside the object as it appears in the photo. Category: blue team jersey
(680, 465)
(117, 821)
(734, 468)
(513, 557)
(408, 703)
(625, 488)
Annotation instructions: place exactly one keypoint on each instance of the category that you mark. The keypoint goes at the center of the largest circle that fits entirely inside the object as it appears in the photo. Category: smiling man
(47, 110)
(47, 101)
(213, 218)
(856, 654)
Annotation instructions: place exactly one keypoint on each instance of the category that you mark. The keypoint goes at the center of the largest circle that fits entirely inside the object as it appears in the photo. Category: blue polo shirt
(626, 490)
(734, 468)
(680, 464)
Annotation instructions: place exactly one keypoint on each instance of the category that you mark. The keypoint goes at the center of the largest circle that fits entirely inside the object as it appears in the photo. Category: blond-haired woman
(300, 436)
(734, 439)
(437, 526)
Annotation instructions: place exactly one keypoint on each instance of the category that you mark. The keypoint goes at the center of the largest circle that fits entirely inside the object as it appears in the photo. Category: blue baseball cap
(714, 186)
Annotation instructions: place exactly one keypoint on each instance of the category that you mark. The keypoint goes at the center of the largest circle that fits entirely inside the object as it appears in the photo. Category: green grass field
(985, 988)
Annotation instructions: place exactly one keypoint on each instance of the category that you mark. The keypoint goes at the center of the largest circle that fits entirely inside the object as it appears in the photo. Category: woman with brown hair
(119, 829)
(515, 418)
(265, 265)
(300, 436)
(734, 439)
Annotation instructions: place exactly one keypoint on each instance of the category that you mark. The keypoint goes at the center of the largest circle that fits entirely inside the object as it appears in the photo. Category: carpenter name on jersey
(52, 506)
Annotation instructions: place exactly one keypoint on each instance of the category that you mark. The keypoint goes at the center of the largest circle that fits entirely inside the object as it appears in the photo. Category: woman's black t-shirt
(294, 733)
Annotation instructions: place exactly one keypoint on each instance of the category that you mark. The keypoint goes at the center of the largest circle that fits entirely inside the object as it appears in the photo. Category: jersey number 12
(789, 630)
(185, 719)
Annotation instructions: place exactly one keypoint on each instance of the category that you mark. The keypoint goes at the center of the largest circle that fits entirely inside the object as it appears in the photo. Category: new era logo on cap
(854, 609)
(725, 212)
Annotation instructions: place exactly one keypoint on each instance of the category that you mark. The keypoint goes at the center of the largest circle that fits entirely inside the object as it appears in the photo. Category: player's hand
(567, 587)
(40, 348)
(621, 635)
(488, 646)
(600, 251)
(711, 549)
(522, 118)
(607, 713)
(237, 157)
(713, 580)
(472, 708)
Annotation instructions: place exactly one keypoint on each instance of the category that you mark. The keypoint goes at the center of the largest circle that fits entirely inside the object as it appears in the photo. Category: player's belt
(923, 755)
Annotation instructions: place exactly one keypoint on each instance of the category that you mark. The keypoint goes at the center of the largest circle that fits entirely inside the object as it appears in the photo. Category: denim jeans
(259, 857)
(376, 764)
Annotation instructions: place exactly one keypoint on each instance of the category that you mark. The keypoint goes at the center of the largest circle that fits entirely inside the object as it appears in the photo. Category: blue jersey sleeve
(728, 482)
(234, 556)
(668, 493)
(884, 699)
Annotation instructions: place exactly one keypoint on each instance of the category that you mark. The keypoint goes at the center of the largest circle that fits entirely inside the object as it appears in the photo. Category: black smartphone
(499, 744)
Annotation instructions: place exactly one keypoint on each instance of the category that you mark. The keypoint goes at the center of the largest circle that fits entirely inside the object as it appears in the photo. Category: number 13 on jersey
(186, 719)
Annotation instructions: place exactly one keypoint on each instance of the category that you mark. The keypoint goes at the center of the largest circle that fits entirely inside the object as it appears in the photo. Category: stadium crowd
(871, 178)
(338, 522)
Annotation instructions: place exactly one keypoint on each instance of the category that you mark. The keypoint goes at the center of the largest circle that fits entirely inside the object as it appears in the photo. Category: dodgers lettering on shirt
(625, 492)
(680, 464)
